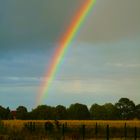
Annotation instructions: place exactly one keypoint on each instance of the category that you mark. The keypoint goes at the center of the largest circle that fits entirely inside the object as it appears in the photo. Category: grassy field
(133, 123)
(68, 129)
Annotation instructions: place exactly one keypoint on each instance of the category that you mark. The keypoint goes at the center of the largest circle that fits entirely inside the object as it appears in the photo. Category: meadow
(68, 129)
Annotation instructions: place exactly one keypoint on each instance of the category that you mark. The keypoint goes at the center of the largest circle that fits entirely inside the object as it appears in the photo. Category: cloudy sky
(101, 65)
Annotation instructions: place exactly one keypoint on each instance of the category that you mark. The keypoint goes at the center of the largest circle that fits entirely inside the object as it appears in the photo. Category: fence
(67, 131)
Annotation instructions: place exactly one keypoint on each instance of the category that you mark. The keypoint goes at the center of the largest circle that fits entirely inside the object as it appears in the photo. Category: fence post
(135, 136)
(107, 132)
(96, 130)
(46, 126)
(33, 127)
(63, 131)
(125, 131)
(65, 124)
(30, 127)
(83, 131)
(0, 125)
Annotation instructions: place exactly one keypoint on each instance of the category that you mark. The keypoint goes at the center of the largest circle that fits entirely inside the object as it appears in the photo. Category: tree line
(124, 109)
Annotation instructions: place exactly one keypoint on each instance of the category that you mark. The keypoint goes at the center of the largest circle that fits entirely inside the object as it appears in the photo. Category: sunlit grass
(112, 123)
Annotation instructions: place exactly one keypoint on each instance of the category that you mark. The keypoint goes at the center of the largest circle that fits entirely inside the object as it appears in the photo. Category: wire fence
(65, 131)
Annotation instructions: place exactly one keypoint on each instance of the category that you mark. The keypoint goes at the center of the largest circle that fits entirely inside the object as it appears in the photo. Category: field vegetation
(124, 109)
(68, 129)
(119, 120)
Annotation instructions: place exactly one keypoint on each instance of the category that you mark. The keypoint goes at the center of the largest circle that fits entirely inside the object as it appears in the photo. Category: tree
(112, 113)
(4, 113)
(78, 112)
(98, 112)
(60, 112)
(43, 112)
(8, 113)
(137, 111)
(21, 113)
(126, 108)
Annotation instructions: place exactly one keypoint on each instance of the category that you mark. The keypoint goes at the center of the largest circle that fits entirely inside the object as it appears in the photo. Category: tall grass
(66, 129)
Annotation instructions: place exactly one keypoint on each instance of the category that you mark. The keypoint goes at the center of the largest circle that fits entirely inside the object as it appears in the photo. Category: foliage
(21, 113)
(112, 113)
(4, 113)
(137, 111)
(78, 112)
(104, 112)
(43, 112)
(60, 112)
(124, 109)
(97, 112)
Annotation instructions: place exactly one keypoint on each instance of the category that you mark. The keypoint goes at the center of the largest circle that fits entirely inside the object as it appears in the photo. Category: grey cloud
(123, 65)
(19, 81)
(15, 64)
(28, 21)
(24, 22)
(112, 20)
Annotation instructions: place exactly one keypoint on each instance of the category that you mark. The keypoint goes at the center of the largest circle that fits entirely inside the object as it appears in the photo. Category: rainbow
(64, 43)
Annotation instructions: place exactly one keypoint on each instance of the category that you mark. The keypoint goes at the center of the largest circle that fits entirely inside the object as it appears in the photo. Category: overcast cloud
(101, 65)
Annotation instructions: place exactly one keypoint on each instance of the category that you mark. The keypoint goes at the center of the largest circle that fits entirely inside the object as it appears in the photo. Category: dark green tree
(60, 112)
(43, 112)
(137, 111)
(98, 112)
(112, 113)
(8, 113)
(21, 113)
(126, 108)
(4, 113)
(78, 112)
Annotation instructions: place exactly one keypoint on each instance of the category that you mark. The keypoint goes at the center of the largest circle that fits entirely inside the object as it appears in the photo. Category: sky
(101, 65)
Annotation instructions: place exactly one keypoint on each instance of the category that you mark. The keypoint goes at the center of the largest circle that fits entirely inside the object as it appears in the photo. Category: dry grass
(35, 129)
(20, 123)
